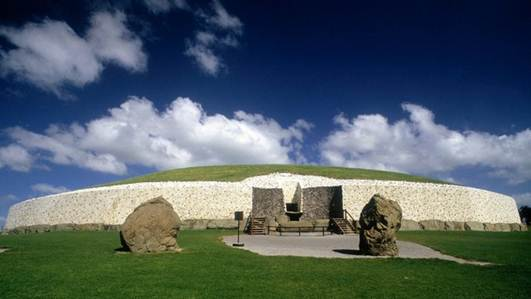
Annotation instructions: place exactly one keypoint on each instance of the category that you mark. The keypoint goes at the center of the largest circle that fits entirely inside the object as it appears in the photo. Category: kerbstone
(454, 226)
(409, 225)
(475, 226)
(432, 225)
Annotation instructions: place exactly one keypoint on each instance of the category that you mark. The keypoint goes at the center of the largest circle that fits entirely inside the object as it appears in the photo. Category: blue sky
(98, 91)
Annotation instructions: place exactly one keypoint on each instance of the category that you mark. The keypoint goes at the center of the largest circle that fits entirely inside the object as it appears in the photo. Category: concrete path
(331, 246)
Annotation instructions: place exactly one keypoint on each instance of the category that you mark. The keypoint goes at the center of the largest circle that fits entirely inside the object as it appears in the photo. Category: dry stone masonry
(203, 204)
(267, 202)
(322, 202)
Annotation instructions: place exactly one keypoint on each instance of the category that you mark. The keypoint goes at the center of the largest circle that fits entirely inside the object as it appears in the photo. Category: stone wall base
(189, 224)
(438, 225)
(201, 224)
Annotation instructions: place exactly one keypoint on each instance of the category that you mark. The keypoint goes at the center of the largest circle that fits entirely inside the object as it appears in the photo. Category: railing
(299, 229)
(349, 218)
(247, 226)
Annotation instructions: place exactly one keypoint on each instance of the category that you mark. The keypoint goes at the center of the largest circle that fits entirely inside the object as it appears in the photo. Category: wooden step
(345, 227)
(257, 226)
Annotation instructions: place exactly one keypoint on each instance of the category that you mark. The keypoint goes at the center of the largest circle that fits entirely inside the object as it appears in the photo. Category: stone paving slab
(332, 246)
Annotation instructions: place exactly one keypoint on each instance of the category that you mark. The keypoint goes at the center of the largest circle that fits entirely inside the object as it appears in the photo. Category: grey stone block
(409, 225)
(489, 227)
(473, 225)
(322, 202)
(432, 224)
(454, 226)
(267, 202)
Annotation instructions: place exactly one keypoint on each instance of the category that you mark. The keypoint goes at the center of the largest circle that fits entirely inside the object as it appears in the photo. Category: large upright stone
(322, 202)
(380, 220)
(152, 227)
(268, 202)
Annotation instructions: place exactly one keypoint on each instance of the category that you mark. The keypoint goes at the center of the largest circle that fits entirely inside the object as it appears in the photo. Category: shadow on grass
(122, 250)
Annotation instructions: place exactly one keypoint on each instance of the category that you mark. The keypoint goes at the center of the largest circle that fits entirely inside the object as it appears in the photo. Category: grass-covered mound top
(234, 173)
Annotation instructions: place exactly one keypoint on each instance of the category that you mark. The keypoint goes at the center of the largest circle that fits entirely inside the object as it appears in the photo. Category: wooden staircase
(257, 226)
(344, 226)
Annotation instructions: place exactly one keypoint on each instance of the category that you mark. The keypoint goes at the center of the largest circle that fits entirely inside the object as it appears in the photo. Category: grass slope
(84, 265)
(240, 172)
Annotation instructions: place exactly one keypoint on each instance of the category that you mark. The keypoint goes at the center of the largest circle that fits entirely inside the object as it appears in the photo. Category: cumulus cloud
(51, 55)
(59, 147)
(112, 42)
(43, 188)
(419, 145)
(136, 133)
(15, 157)
(220, 30)
(162, 6)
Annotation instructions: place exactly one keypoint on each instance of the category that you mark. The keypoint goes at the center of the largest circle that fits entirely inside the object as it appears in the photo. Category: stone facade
(194, 201)
(267, 202)
(322, 202)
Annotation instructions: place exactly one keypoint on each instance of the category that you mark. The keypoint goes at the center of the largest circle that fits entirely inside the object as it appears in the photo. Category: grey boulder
(379, 221)
(152, 227)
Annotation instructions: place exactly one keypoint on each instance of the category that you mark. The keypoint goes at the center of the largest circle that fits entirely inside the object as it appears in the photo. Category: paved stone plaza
(331, 246)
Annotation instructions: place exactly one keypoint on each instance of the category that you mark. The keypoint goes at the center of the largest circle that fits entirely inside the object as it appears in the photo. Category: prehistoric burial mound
(206, 197)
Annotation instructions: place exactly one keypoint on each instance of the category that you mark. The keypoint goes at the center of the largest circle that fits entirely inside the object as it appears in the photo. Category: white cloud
(15, 157)
(51, 55)
(419, 145)
(111, 41)
(221, 30)
(523, 199)
(43, 188)
(221, 19)
(205, 58)
(60, 147)
(162, 6)
(136, 133)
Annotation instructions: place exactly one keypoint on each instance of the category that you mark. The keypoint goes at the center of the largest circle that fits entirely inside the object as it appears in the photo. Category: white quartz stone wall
(219, 200)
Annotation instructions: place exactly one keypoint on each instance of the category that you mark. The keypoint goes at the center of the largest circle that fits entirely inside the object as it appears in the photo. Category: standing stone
(322, 202)
(380, 220)
(268, 202)
(152, 227)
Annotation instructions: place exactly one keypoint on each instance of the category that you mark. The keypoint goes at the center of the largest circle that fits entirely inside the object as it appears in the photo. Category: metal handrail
(351, 220)
(246, 227)
(313, 227)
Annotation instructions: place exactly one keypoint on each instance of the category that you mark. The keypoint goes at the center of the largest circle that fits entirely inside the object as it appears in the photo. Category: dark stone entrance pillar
(268, 202)
(322, 202)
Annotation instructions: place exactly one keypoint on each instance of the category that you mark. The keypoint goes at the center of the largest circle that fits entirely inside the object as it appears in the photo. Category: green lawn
(240, 172)
(83, 264)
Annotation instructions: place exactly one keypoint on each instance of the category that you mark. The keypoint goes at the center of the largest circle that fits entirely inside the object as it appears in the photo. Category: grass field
(240, 172)
(84, 265)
